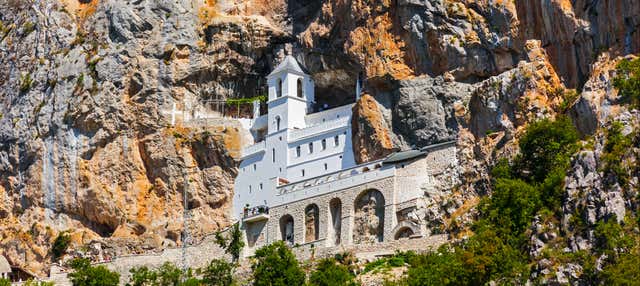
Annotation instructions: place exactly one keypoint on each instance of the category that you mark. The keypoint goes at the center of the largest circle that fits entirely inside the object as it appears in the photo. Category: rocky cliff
(89, 89)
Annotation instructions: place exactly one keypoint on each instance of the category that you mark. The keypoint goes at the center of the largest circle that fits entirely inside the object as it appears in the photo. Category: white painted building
(292, 142)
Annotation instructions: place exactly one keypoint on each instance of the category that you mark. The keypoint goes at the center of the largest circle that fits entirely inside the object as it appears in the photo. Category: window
(298, 151)
(279, 88)
(303, 172)
(273, 154)
(249, 189)
(277, 123)
(299, 87)
(310, 147)
(324, 144)
(254, 167)
(336, 140)
(261, 186)
(325, 166)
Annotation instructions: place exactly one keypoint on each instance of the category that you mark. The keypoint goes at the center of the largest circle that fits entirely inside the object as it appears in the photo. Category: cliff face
(88, 89)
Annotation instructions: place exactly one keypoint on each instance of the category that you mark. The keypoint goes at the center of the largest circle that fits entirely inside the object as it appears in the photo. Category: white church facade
(299, 181)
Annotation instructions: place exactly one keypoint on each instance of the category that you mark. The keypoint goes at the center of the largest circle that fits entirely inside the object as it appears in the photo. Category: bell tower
(291, 96)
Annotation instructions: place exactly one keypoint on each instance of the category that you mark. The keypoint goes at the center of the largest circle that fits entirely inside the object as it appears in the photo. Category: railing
(334, 181)
(255, 148)
(255, 211)
(329, 114)
(329, 125)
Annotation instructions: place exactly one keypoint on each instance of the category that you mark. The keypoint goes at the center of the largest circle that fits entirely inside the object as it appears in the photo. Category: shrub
(166, 274)
(546, 146)
(218, 273)
(60, 245)
(614, 151)
(330, 273)
(275, 265)
(627, 81)
(25, 82)
(5, 282)
(87, 275)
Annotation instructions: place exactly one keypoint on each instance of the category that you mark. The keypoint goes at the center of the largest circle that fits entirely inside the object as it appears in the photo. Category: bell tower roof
(289, 64)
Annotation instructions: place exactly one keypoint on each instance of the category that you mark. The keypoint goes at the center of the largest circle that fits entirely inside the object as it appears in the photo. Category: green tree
(627, 80)
(142, 276)
(60, 245)
(5, 282)
(275, 265)
(86, 275)
(218, 273)
(330, 273)
(546, 146)
(233, 244)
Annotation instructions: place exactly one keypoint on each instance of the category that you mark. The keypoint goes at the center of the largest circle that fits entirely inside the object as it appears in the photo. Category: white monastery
(299, 181)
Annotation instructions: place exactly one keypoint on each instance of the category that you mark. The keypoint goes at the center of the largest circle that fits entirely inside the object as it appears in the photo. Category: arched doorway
(286, 229)
(369, 217)
(311, 223)
(404, 233)
(335, 221)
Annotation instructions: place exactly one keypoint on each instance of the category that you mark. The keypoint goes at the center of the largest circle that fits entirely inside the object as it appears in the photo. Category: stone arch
(300, 92)
(311, 223)
(286, 228)
(369, 217)
(335, 221)
(403, 233)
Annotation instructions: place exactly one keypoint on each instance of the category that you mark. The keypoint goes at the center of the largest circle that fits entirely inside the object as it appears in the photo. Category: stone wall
(401, 193)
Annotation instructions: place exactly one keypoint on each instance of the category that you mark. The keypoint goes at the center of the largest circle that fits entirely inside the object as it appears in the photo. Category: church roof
(288, 64)
(4, 265)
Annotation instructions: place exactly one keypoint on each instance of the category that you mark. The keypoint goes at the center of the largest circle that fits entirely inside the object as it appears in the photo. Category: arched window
(310, 147)
(273, 154)
(279, 88)
(299, 93)
(298, 151)
(277, 123)
(324, 144)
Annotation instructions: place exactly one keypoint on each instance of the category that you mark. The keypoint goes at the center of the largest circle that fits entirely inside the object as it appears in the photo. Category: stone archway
(335, 221)
(311, 223)
(286, 229)
(369, 217)
(403, 233)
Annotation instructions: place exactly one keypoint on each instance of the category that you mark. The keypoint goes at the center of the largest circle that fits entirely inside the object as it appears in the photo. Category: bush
(25, 82)
(330, 273)
(87, 275)
(218, 273)
(60, 245)
(627, 81)
(511, 206)
(5, 282)
(275, 265)
(546, 146)
(613, 153)
(166, 274)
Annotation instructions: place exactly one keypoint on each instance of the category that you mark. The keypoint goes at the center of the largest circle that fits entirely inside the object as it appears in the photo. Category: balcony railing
(255, 213)
(313, 130)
